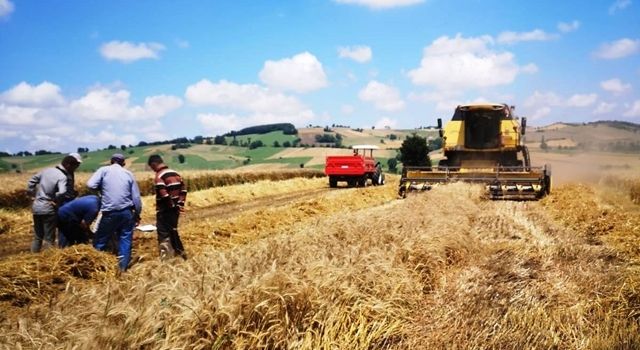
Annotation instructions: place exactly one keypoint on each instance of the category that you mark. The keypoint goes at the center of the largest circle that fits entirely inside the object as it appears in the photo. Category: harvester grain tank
(483, 143)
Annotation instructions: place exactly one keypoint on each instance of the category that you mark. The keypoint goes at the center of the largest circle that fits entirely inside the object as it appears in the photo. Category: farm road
(19, 240)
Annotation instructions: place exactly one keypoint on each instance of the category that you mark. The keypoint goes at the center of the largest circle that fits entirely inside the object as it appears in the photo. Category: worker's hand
(181, 209)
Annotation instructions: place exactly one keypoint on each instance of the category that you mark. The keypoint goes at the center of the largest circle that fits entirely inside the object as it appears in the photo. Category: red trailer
(356, 169)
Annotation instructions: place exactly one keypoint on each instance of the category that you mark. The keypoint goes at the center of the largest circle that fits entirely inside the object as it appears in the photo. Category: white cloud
(105, 136)
(183, 44)
(23, 116)
(155, 136)
(359, 54)
(128, 52)
(219, 123)
(45, 141)
(380, 4)
(540, 113)
(581, 100)
(6, 7)
(534, 35)
(634, 111)
(539, 98)
(45, 94)
(618, 49)
(386, 122)
(464, 63)
(264, 106)
(222, 123)
(615, 85)
(244, 97)
(568, 27)
(541, 104)
(159, 106)
(530, 68)
(8, 133)
(383, 97)
(347, 109)
(301, 73)
(618, 5)
(446, 101)
(604, 108)
(103, 105)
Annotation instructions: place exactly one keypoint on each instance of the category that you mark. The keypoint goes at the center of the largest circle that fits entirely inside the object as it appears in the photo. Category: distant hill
(616, 136)
(286, 128)
(607, 136)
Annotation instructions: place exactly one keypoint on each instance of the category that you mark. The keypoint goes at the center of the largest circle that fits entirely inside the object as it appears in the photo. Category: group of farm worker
(56, 206)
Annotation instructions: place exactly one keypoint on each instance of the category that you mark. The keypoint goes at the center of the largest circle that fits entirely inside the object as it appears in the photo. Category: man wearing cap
(51, 188)
(120, 207)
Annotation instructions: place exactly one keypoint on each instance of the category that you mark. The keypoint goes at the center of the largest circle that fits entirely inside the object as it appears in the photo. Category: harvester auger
(481, 144)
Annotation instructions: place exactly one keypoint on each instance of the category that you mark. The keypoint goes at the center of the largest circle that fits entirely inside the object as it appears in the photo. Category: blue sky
(92, 73)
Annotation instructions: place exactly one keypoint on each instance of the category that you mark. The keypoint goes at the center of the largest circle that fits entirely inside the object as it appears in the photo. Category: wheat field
(292, 264)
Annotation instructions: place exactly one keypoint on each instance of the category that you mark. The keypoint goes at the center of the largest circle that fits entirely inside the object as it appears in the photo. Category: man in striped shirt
(170, 198)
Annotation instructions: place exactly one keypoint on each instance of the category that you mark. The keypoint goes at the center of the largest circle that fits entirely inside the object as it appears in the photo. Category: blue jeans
(119, 224)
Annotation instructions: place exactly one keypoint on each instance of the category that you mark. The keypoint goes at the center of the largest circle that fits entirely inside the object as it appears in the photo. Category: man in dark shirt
(75, 218)
(170, 198)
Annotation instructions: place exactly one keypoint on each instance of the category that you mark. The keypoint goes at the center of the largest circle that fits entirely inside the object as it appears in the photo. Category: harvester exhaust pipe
(440, 127)
(524, 125)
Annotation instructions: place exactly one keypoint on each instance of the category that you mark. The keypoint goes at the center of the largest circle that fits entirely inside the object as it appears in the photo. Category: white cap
(76, 156)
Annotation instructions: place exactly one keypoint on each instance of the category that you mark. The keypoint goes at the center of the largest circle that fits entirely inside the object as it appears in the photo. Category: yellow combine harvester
(481, 144)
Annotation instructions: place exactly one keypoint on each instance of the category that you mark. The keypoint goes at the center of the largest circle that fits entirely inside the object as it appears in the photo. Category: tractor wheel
(351, 182)
(380, 179)
(362, 182)
(333, 182)
(376, 179)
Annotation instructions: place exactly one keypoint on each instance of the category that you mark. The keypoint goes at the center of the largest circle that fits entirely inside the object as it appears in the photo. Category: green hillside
(205, 156)
(267, 139)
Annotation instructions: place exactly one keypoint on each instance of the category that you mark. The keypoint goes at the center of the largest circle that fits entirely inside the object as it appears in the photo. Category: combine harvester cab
(482, 144)
(354, 169)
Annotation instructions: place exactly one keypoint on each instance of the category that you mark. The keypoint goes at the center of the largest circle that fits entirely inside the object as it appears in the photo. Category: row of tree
(27, 153)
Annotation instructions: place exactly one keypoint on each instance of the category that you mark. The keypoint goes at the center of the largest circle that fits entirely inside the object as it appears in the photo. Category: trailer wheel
(333, 182)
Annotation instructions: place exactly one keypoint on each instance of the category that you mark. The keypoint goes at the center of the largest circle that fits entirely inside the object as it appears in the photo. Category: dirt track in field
(20, 242)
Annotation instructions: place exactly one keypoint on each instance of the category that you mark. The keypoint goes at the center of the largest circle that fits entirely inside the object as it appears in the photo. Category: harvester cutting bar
(501, 182)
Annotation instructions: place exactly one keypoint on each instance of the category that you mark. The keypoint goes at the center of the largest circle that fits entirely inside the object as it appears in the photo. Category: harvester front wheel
(402, 191)
(547, 179)
(527, 159)
(547, 184)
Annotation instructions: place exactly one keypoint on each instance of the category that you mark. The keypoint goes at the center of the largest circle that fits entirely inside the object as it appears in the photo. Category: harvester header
(482, 144)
